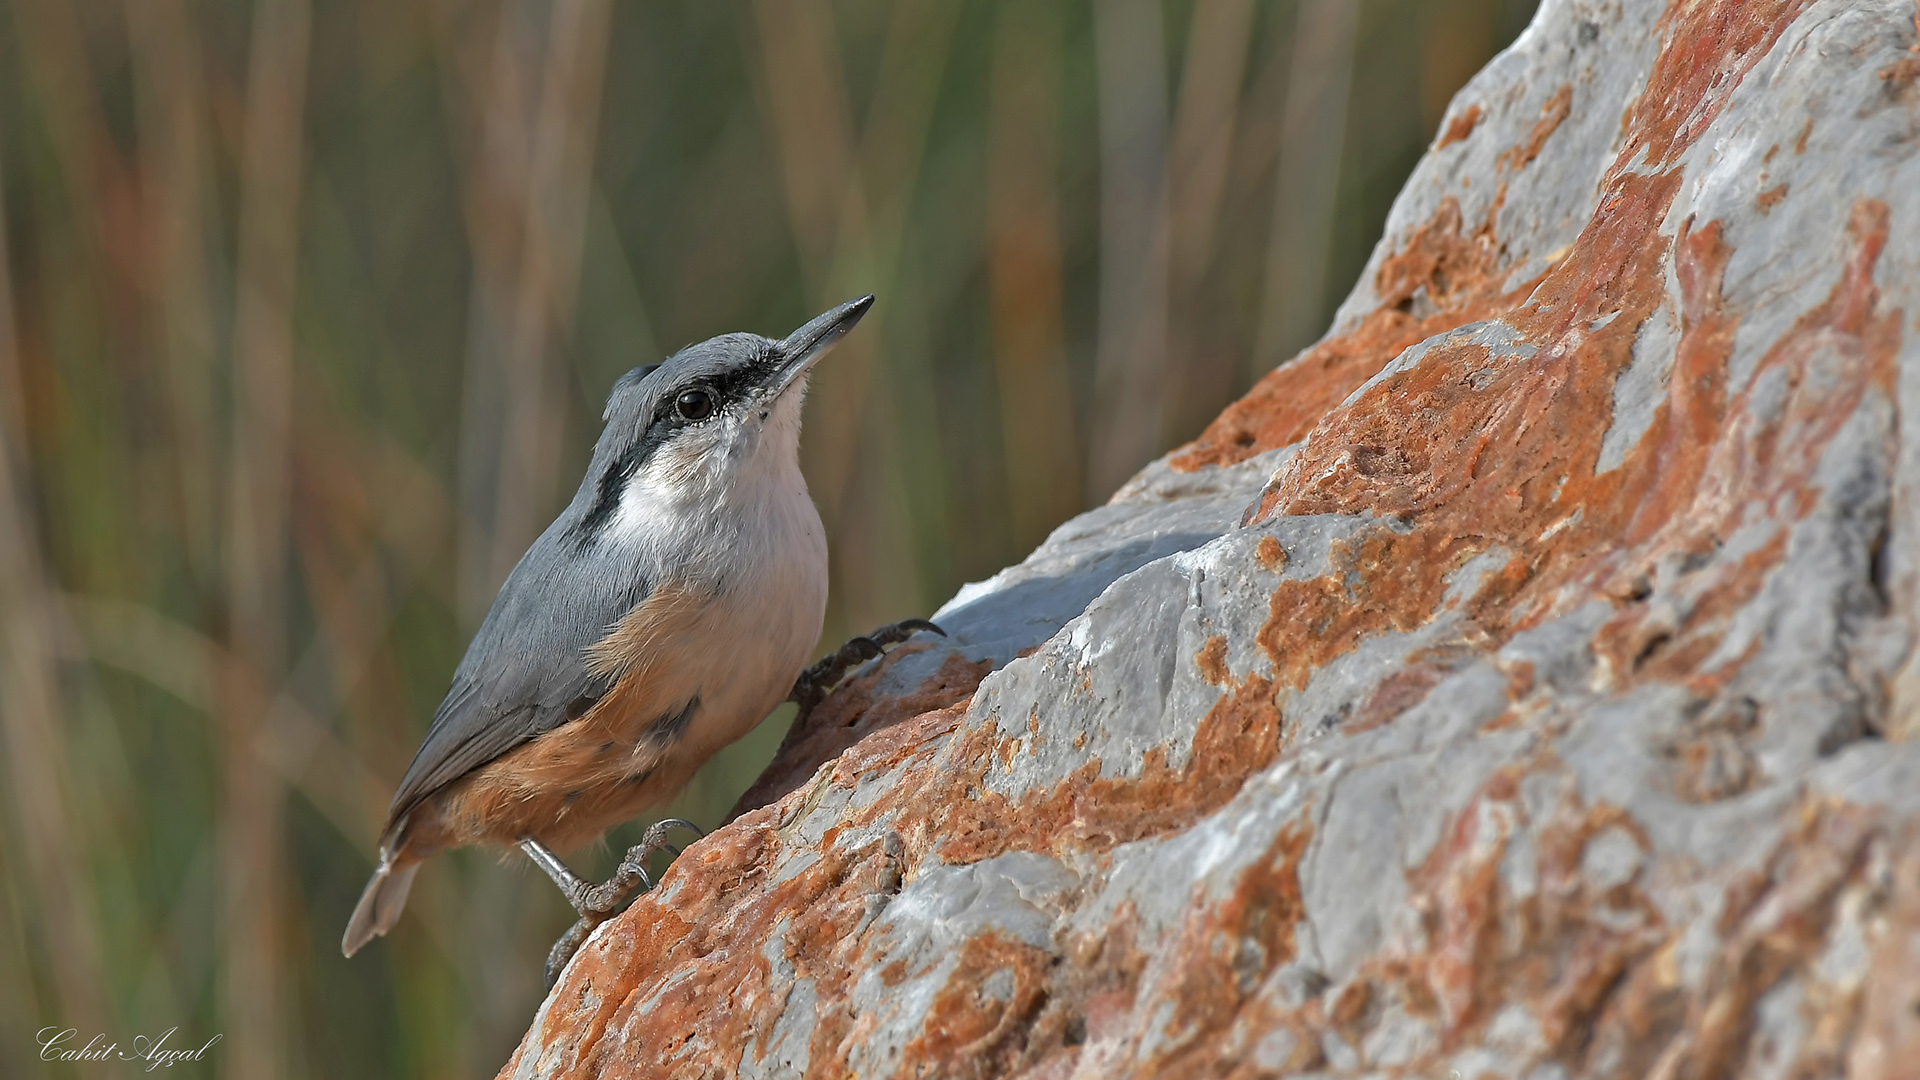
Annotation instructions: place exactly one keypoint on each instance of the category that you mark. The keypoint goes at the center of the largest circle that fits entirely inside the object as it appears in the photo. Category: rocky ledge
(1519, 682)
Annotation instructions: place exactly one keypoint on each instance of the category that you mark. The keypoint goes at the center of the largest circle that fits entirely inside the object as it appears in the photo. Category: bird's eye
(695, 404)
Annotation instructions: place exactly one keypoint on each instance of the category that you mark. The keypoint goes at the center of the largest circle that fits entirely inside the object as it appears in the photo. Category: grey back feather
(526, 666)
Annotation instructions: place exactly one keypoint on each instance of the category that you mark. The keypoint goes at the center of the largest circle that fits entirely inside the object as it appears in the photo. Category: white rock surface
(1553, 716)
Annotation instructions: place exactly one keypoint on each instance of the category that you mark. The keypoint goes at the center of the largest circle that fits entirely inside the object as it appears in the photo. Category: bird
(667, 610)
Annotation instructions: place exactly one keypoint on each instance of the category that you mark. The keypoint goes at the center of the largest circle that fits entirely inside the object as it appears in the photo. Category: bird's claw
(598, 903)
(818, 680)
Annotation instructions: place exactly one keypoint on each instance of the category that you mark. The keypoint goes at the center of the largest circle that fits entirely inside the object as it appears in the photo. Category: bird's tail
(380, 905)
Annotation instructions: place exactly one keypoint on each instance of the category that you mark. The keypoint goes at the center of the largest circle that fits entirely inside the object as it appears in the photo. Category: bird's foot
(598, 903)
(816, 682)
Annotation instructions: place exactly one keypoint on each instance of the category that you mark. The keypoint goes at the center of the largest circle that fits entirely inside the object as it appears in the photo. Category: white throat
(723, 497)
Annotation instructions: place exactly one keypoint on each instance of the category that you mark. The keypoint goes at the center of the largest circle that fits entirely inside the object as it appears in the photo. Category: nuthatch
(665, 612)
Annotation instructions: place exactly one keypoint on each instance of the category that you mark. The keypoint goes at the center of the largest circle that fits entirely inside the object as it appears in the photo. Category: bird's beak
(809, 343)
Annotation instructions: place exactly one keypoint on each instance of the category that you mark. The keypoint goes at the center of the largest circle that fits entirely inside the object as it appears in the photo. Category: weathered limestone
(1549, 716)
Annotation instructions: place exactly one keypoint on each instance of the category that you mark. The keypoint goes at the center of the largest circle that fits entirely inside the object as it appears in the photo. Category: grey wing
(525, 672)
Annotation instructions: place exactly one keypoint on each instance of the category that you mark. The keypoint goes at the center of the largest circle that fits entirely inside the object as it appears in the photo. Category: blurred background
(307, 312)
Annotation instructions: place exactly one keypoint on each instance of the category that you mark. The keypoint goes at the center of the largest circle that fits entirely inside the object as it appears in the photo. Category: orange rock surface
(1519, 682)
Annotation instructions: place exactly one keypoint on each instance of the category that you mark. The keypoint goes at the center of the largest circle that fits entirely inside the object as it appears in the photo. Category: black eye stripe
(725, 388)
(607, 493)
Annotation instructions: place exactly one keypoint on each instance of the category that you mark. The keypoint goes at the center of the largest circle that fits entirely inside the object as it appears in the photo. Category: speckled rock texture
(1520, 682)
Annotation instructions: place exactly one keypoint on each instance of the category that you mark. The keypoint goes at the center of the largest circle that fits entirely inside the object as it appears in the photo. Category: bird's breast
(734, 617)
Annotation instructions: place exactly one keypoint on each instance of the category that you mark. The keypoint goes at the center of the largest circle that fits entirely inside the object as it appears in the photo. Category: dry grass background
(306, 314)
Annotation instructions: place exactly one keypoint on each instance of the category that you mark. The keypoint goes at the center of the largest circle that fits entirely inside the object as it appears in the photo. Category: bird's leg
(568, 944)
(572, 886)
(597, 903)
(816, 682)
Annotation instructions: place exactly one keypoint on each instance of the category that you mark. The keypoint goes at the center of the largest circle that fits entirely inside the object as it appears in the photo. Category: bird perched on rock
(665, 612)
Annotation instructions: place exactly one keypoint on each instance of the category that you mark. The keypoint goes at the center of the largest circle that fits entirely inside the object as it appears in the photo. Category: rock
(1519, 682)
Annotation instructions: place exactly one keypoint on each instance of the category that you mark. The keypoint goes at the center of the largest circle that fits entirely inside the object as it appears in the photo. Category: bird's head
(694, 426)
